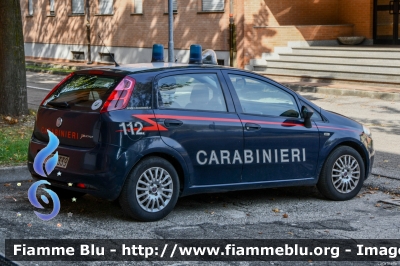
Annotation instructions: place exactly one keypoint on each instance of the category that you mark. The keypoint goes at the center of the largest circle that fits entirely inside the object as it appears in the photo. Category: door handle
(172, 123)
(252, 127)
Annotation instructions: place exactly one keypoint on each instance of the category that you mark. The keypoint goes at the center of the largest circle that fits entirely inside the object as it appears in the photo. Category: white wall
(123, 55)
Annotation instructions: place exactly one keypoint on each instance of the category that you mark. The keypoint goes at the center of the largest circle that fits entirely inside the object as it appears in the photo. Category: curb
(388, 96)
(386, 173)
(66, 68)
(48, 71)
(14, 174)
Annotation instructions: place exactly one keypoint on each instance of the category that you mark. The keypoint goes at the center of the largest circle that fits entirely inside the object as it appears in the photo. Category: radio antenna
(115, 62)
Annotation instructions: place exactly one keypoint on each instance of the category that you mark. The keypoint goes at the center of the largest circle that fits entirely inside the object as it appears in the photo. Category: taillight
(57, 86)
(81, 185)
(120, 96)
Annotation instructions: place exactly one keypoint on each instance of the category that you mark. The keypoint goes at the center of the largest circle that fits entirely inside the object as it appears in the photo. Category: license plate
(62, 161)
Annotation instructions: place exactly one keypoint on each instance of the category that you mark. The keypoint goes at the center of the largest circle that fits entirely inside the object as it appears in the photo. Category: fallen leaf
(290, 233)
(275, 210)
(285, 215)
(378, 205)
(212, 213)
(7, 184)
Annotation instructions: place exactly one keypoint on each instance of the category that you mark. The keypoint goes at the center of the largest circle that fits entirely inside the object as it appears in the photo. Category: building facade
(129, 28)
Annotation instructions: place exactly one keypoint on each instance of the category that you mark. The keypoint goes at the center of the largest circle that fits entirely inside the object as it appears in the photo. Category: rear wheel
(151, 190)
(343, 174)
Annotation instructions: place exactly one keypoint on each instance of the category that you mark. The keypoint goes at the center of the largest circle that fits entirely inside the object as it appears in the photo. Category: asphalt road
(246, 214)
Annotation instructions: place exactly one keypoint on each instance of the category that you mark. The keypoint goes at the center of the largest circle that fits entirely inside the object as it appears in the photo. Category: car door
(197, 118)
(277, 145)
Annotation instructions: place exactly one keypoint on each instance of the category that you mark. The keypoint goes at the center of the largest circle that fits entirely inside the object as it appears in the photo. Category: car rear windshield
(83, 92)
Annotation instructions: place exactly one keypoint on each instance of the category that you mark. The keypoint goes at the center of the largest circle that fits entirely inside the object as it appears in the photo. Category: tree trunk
(13, 94)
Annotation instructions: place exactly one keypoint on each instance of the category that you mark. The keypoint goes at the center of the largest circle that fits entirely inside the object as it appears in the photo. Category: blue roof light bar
(158, 53)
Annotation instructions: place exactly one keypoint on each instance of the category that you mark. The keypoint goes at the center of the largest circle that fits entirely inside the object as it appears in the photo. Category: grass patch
(14, 140)
(34, 68)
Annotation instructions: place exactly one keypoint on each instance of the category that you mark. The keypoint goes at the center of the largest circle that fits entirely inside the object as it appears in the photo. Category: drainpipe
(88, 32)
(232, 36)
(170, 32)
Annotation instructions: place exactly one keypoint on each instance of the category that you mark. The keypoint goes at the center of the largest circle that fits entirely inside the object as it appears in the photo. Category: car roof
(144, 67)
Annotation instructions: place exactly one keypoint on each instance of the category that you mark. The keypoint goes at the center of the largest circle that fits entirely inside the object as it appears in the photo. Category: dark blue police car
(146, 134)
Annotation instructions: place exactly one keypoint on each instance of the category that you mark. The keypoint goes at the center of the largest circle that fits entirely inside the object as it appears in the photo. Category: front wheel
(151, 190)
(343, 174)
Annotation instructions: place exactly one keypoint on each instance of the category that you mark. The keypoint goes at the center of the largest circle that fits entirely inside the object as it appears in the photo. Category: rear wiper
(59, 104)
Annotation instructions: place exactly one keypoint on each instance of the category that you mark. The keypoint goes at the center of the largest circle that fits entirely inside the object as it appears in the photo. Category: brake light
(120, 96)
(57, 86)
(81, 185)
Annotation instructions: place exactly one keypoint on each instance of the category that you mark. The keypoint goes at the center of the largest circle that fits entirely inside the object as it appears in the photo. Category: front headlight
(367, 131)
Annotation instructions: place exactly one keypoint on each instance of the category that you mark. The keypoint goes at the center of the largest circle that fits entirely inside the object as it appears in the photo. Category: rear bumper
(102, 169)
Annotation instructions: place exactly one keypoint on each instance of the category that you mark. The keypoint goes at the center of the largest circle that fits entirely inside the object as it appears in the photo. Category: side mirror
(307, 116)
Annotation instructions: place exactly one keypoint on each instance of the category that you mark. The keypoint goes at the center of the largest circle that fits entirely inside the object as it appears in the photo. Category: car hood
(336, 118)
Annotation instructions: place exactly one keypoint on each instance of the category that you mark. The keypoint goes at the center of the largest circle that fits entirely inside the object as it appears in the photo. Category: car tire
(65, 193)
(151, 190)
(342, 175)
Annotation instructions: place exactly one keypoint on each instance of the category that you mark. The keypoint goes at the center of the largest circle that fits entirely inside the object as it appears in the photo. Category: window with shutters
(30, 7)
(106, 7)
(174, 7)
(138, 6)
(213, 5)
(52, 13)
(78, 7)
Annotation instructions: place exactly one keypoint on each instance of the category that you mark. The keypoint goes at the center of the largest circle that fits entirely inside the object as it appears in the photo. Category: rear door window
(83, 92)
(191, 92)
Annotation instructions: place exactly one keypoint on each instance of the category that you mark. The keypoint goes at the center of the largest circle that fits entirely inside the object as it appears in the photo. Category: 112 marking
(132, 127)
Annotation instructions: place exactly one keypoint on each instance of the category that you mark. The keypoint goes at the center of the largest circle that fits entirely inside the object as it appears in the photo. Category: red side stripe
(157, 126)
(198, 118)
(154, 125)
